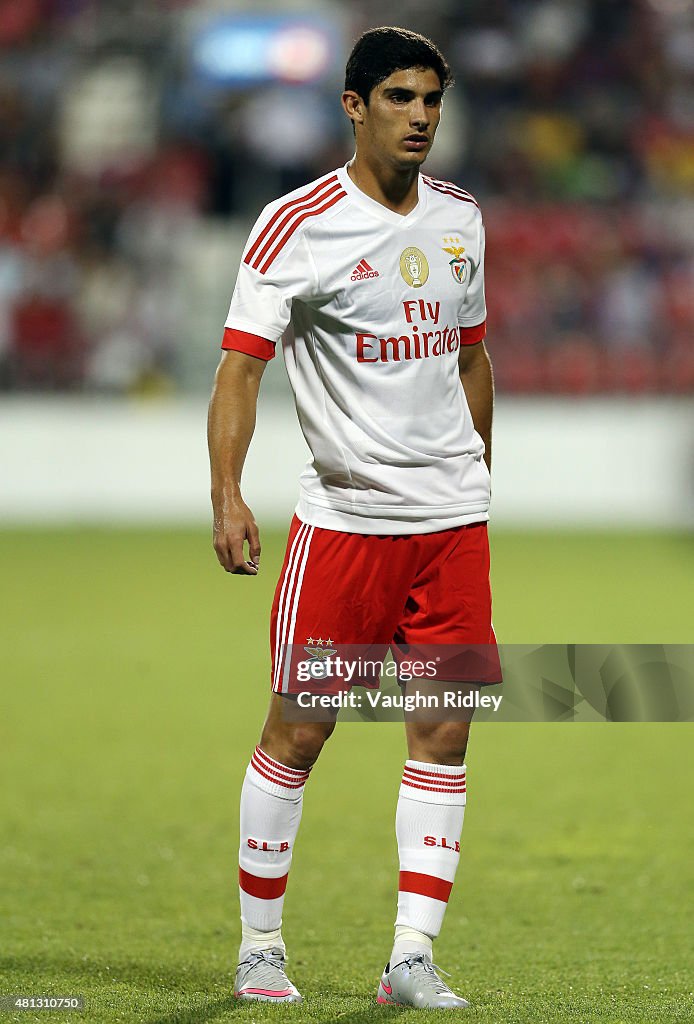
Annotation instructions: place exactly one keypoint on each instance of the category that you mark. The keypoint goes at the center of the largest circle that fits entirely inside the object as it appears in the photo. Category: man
(379, 270)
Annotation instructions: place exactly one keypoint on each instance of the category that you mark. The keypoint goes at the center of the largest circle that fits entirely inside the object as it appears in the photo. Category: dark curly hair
(381, 51)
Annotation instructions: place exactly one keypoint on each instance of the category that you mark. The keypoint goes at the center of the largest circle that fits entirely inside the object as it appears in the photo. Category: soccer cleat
(261, 978)
(414, 982)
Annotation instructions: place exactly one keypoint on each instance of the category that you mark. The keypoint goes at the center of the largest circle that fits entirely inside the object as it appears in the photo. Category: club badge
(320, 649)
(458, 264)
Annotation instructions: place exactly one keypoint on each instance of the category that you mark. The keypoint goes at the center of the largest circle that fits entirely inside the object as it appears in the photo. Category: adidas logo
(362, 271)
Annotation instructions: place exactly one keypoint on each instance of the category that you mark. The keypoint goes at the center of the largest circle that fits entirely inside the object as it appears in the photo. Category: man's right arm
(230, 427)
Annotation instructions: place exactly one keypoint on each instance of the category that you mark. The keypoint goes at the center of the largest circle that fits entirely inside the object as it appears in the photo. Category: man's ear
(353, 106)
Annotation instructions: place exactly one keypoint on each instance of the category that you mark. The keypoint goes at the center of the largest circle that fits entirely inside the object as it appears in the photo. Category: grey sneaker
(261, 978)
(414, 982)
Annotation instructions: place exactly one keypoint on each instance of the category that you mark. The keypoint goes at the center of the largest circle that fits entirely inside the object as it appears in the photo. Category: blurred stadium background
(138, 140)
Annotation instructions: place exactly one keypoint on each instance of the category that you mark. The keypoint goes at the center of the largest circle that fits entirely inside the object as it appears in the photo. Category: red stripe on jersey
(278, 213)
(262, 888)
(273, 776)
(450, 192)
(366, 267)
(251, 344)
(471, 335)
(433, 775)
(463, 193)
(295, 210)
(292, 228)
(291, 773)
(425, 885)
(286, 220)
(452, 185)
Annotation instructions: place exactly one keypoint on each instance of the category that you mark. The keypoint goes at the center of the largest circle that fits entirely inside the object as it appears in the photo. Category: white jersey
(377, 305)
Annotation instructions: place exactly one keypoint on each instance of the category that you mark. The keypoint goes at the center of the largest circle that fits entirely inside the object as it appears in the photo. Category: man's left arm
(476, 376)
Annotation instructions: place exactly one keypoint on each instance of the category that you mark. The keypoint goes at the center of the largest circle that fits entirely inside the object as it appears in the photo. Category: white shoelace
(272, 957)
(438, 984)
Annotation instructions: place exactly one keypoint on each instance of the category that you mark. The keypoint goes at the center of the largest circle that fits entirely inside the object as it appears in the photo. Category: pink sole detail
(264, 992)
(388, 1002)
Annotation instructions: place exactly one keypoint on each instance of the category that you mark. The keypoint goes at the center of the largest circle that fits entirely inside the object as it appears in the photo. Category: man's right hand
(230, 428)
(234, 524)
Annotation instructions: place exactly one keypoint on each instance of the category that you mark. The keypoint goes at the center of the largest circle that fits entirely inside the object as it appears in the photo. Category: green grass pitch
(134, 683)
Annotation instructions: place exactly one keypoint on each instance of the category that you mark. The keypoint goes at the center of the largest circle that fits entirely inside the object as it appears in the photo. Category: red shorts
(427, 593)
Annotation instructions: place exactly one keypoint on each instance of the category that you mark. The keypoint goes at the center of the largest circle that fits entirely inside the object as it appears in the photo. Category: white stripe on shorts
(295, 607)
(285, 596)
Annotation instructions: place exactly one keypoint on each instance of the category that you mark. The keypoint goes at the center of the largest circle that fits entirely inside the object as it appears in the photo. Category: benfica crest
(319, 649)
(458, 264)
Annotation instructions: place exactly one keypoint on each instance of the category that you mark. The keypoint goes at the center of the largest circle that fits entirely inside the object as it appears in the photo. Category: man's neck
(395, 189)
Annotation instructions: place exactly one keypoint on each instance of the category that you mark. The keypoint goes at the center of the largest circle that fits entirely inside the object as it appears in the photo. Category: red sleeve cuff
(251, 344)
(471, 335)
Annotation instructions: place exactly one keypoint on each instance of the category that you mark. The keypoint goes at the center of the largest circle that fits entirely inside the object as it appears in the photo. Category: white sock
(253, 938)
(271, 802)
(428, 825)
(408, 941)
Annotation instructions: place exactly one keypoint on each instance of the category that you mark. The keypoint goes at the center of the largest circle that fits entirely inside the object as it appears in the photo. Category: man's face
(399, 124)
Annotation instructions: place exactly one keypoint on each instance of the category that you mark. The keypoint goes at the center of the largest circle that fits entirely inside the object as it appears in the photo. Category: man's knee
(296, 744)
(445, 743)
(306, 742)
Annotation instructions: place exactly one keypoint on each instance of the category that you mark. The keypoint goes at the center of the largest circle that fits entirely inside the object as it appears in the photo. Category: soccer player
(378, 269)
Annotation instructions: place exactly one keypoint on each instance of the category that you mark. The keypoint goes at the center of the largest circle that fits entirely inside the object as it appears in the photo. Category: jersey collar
(376, 208)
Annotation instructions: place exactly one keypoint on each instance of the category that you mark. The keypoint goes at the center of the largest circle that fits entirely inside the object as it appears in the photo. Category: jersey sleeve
(273, 273)
(472, 315)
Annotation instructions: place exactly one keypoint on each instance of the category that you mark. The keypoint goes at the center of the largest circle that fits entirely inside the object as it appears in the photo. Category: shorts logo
(414, 267)
(363, 271)
(320, 648)
(458, 264)
(319, 667)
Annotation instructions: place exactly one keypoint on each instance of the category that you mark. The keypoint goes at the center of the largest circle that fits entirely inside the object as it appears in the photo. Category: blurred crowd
(571, 120)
